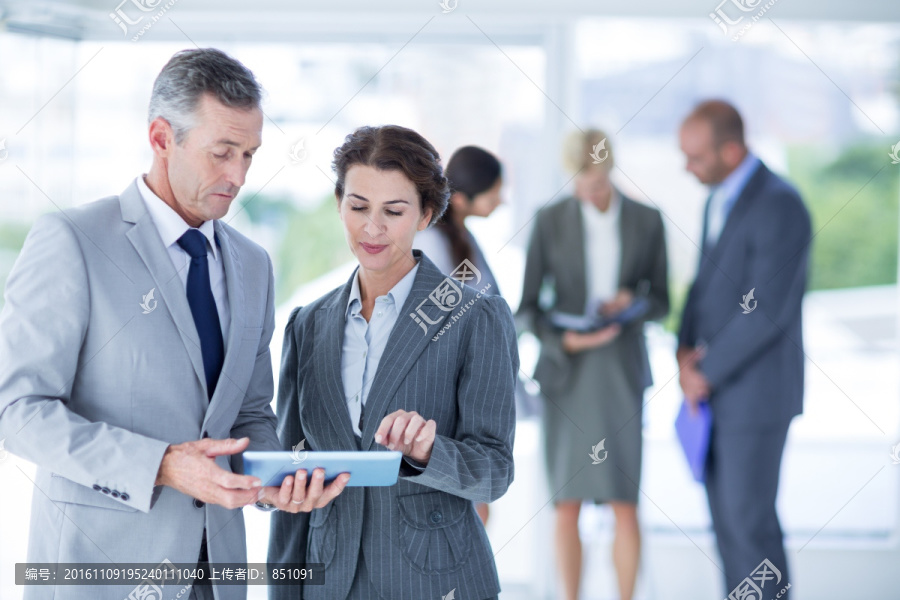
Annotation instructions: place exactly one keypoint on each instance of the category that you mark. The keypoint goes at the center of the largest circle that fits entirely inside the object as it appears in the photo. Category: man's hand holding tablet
(294, 495)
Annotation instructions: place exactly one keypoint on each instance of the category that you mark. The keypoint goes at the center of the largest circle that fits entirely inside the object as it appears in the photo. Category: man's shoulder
(97, 216)
(772, 182)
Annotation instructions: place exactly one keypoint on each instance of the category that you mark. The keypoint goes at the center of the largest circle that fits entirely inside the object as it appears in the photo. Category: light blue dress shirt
(364, 342)
(725, 195)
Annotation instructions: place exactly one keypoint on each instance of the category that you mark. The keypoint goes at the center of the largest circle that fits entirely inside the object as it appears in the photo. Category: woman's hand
(409, 433)
(573, 342)
(620, 302)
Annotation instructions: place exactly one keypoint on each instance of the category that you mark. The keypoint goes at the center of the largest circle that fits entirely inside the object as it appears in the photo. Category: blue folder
(693, 433)
(639, 307)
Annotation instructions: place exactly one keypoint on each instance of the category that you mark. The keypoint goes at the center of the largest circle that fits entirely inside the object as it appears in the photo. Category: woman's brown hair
(395, 148)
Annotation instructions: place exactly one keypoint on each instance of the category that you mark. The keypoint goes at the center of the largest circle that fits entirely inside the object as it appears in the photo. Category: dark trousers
(742, 484)
(202, 589)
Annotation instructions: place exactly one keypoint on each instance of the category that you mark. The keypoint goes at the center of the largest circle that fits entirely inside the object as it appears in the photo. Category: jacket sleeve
(477, 463)
(43, 327)
(530, 316)
(658, 276)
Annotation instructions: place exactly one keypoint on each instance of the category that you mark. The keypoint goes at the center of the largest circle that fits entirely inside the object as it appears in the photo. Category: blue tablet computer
(367, 469)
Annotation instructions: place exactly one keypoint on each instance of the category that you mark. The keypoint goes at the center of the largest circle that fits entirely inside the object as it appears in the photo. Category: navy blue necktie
(203, 307)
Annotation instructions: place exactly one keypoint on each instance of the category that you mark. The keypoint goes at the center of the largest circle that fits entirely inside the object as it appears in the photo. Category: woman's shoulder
(486, 305)
(303, 316)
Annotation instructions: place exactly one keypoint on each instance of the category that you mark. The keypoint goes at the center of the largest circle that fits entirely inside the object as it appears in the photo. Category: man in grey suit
(134, 351)
(740, 343)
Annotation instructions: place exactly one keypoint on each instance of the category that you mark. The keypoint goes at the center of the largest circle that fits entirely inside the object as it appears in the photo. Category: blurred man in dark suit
(740, 343)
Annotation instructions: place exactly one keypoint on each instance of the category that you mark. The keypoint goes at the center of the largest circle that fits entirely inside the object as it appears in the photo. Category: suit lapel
(234, 283)
(740, 208)
(406, 342)
(144, 236)
(712, 256)
(330, 322)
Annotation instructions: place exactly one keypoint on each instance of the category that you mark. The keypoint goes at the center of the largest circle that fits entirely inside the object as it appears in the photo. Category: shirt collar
(397, 295)
(611, 213)
(169, 223)
(734, 183)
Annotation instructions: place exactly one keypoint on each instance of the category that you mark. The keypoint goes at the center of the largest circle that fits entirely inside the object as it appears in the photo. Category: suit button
(125, 497)
(105, 490)
(97, 487)
(437, 517)
(115, 494)
(199, 503)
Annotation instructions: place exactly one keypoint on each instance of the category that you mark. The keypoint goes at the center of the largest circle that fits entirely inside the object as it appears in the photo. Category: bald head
(723, 119)
(712, 140)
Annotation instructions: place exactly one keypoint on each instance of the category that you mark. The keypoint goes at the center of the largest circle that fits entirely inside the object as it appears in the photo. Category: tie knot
(194, 243)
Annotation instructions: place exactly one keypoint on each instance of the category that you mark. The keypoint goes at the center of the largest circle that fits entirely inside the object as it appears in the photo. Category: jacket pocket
(322, 534)
(433, 531)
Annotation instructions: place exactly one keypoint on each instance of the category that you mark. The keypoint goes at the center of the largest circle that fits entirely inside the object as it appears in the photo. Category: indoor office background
(817, 83)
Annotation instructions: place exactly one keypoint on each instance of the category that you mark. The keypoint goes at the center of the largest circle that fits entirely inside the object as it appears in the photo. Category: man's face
(206, 171)
(704, 157)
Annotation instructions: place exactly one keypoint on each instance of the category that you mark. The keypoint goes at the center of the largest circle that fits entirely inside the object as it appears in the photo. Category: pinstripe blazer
(420, 538)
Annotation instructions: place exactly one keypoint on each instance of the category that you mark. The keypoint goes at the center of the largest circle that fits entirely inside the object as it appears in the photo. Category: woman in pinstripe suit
(403, 358)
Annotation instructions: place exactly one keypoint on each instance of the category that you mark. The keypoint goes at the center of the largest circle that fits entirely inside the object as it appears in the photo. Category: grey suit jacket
(753, 361)
(556, 262)
(94, 387)
(421, 538)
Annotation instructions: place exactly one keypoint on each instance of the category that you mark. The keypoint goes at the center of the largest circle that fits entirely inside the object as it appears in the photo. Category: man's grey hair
(189, 75)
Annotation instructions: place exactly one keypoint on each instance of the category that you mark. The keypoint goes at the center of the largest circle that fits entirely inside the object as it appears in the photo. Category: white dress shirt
(171, 227)
(364, 342)
(603, 252)
(725, 195)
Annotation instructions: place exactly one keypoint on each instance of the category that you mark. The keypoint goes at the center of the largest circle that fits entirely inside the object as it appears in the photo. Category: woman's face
(381, 212)
(593, 185)
(484, 203)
